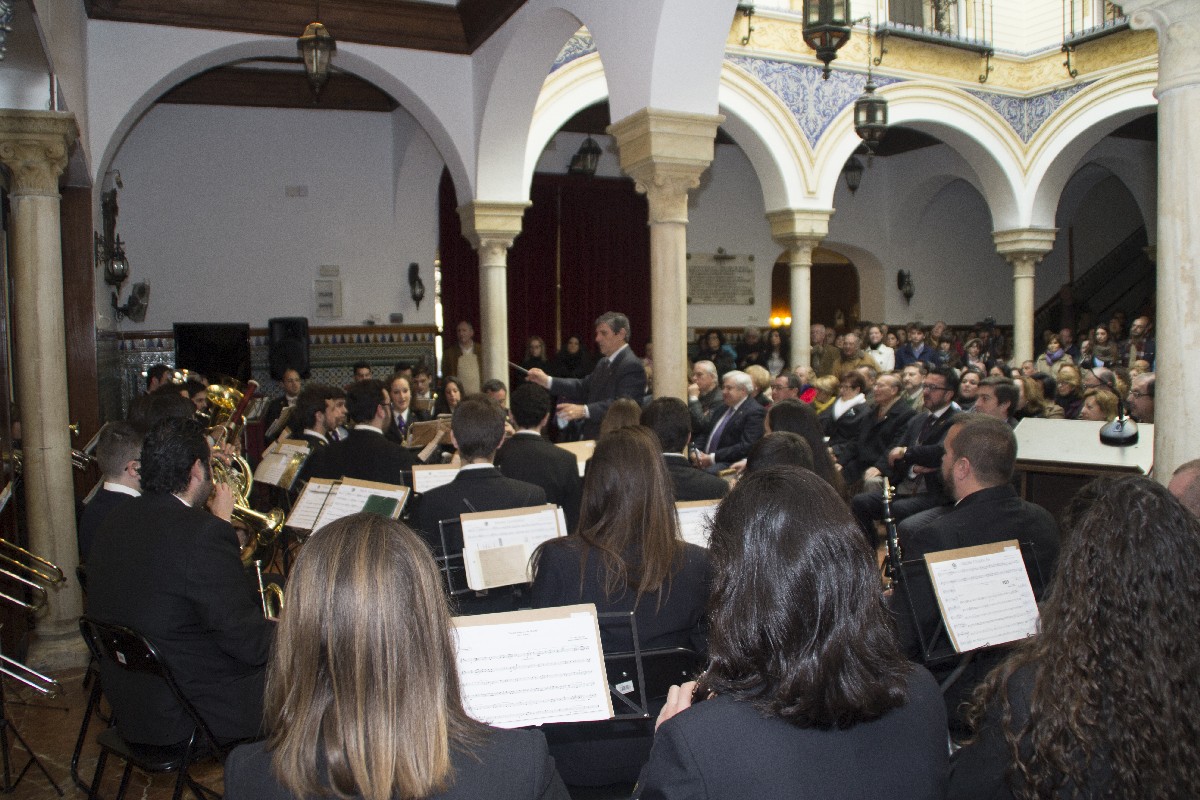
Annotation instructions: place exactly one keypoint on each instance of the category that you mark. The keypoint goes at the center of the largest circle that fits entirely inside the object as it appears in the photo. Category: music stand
(8, 784)
(936, 648)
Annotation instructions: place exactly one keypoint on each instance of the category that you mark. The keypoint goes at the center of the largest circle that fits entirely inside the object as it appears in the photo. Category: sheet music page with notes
(431, 476)
(531, 667)
(353, 495)
(984, 594)
(277, 459)
(497, 544)
(695, 517)
(309, 504)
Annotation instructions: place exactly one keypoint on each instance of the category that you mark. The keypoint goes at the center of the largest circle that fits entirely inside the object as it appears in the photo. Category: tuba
(265, 528)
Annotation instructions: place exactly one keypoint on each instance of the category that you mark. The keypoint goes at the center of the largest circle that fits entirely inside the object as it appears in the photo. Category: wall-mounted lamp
(854, 173)
(747, 11)
(904, 283)
(110, 250)
(316, 46)
(585, 161)
(416, 286)
(135, 307)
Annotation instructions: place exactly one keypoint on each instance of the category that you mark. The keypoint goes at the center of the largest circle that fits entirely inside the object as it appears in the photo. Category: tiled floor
(50, 726)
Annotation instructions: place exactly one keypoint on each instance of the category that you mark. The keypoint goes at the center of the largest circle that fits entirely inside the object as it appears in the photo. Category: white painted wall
(207, 222)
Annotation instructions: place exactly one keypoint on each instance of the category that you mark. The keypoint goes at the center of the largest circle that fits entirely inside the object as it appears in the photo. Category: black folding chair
(125, 649)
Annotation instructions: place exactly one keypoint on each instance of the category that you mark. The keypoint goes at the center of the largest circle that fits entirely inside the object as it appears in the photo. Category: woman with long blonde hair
(362, 696)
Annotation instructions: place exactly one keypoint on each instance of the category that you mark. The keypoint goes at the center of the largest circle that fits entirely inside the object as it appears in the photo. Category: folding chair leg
(125, 780)
(93, 703)
(94, 792)
(180, 781)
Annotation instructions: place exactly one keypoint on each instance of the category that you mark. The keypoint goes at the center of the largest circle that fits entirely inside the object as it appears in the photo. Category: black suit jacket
(624, 377)
(471, 490)
(925, 449)
(505, 765)
(533, 459)
(739, 434)
(842, 433)
(103, 503)
(875, 438)
(984, 517)
(671, 618)
(393, 433)
(726, 748)
(692, 483)
(172, 573)
(365, 455)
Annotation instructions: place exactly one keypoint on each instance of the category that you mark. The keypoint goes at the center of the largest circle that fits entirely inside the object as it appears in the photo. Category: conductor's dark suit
(172, 573)
(103, 503)
(528, 457)
(473, 489)
(365, 455)
(621, 375)
(692, 483)
(739, 433)
(504, 765)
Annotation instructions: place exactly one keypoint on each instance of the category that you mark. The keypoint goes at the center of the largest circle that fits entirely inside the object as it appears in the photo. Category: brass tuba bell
(265, 528)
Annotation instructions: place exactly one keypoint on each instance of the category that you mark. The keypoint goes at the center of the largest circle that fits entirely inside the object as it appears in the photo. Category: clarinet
(892, 568)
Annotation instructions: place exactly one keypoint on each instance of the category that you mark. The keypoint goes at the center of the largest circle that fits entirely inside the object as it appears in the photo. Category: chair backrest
(661, 668)
(126, 649)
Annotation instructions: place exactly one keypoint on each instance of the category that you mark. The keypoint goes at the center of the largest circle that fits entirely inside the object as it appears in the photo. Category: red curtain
(605, 261)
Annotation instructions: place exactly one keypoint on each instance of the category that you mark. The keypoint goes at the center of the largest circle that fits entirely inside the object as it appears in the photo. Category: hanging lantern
(826, 28)
(317, 47)
(870, 117)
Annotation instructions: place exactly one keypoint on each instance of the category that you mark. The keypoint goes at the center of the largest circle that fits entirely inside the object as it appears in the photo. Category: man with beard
(167, 567)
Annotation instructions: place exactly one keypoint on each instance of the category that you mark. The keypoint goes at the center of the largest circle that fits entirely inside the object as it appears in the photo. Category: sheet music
(985, 597)
(695, 517)
(351, 496)
(497, 544)
(581, 450)
(531, 667)
(431, 476)
(309, 504)
(284, 456)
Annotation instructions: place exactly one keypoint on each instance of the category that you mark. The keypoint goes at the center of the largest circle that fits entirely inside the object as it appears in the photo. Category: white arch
(566, 92)
(120, 95)
(1079, 125)
(511, 71)
(984, 140)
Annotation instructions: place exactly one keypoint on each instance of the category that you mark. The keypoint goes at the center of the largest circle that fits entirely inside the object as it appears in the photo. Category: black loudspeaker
(287, 343)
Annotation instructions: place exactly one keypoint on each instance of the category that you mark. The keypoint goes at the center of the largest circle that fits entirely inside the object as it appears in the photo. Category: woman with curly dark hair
(806, 693)
(1103, 703)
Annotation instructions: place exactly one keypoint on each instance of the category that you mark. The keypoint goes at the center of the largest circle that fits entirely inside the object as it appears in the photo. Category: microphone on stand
(1121, 432)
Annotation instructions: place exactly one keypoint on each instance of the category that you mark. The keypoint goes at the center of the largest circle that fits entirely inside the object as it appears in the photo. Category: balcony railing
(1084, 20)
(956, 23)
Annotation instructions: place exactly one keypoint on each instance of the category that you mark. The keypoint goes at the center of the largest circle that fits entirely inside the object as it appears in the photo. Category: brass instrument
(227, 401)
(270, 593)
(10, 667)
(53, 575)
(264, 529)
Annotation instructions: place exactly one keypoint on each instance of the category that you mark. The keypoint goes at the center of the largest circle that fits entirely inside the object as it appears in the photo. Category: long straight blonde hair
(362, 696)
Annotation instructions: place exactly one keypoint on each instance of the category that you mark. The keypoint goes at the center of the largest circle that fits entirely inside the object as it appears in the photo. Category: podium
(1057, 457)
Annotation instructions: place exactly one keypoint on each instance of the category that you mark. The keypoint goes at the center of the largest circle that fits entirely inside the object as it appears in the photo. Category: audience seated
(842, 421)
(365, 595)
(1102, 702)
(737, 428)
(806, 693)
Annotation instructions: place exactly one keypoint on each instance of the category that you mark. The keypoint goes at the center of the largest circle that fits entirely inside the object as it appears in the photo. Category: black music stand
(454, 572)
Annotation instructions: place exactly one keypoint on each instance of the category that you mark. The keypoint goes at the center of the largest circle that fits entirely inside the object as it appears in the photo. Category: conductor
(618, 374)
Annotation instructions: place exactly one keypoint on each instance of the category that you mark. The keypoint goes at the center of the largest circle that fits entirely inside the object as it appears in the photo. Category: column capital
(491, 224)
(34, 146)
(666, 152)
(799, 227)
(1177, 23)
(1024, 243)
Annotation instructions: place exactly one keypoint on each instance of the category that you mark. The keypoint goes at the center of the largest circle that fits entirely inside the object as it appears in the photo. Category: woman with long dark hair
(362, 694)
(450, 396)
(1103, 702)
(626, 555)
(797, 417)
(806, 693)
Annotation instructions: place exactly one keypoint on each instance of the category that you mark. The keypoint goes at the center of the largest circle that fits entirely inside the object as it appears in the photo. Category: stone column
(666, 152)
(1023, 248)
(800, 231)
(1177, 22)
(491, 229)
(34, 146)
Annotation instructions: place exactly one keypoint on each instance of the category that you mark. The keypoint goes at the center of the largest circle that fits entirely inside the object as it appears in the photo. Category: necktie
(715, 436)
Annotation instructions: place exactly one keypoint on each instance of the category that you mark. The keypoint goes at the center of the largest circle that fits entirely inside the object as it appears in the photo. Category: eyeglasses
(933, 387)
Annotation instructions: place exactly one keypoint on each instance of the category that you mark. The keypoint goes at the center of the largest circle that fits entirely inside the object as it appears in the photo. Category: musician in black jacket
(320, 409)
(168, 568)
(528, 456)
(668, 417)
(118, 451)
(365, 454)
